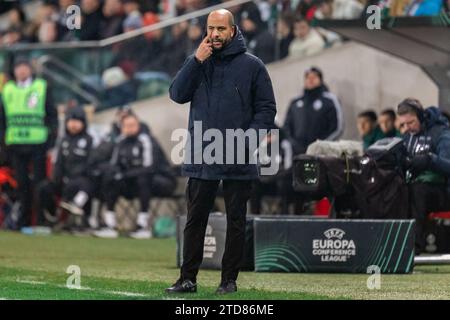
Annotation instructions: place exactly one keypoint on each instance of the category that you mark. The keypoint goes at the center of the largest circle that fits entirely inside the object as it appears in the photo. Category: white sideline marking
(122, 293)
(31, 282)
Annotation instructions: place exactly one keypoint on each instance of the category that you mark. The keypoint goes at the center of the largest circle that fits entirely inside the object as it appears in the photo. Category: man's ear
(234, 30)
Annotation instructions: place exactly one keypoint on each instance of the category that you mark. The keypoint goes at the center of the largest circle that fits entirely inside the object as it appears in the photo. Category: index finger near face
(205, 40)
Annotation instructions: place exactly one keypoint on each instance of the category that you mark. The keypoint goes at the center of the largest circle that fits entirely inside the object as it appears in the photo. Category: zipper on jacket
(240, 96)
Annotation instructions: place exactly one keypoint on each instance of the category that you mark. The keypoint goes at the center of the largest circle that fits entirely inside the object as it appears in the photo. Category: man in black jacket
(71, 172)
(317, 114)
(28, 129)
(137, 169)
(229, 90)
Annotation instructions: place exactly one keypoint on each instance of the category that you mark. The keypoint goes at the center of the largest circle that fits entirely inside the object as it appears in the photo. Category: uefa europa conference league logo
(334, 248)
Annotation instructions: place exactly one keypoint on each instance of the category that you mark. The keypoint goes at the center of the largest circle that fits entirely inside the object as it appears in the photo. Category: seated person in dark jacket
(70, 180)
(134, 172)
(100, 160)
(427, 138)
(368, 128)
(121, 112)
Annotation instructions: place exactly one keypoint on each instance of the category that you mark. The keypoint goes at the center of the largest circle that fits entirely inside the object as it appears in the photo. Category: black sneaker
(227, 286)
(186, 286)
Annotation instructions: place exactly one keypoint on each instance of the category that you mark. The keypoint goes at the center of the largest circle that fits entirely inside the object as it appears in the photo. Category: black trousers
(200, 196)
(48, 192)
(129, 188)
(143, 187)
(29, 169)
(426, 198)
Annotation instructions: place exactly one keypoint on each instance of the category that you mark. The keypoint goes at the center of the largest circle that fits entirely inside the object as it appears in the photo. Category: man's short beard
(224, 44)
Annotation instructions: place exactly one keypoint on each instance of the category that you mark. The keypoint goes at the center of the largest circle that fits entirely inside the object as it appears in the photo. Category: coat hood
(433, 117)
(76, 113)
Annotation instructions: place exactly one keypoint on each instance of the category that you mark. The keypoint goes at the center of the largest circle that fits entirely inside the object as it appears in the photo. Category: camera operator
(427, 138)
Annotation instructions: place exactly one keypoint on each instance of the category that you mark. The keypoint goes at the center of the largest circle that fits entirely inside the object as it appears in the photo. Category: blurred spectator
(186, 6)
(424, 8)
(324, 10)
(113, 17)
(150, 6)
(386, 121)
(131, 54)
(306, 9)
(154, 51)
(46, 12)
(260, 42)
(307, 40)
(317, 114)
(132, 21)
(247, 11)
(92, 17)
(28, 138)
(347, 9)
(70, 179)
(195, 35)
(398, 7)
(135, 172)
(285, 35)
(12, 36)
(175, 51)
(148, 19)
(48, 32)
(119, 89)
(121, 112)
(368, 128)
(131, 7)
(63, 17)
(16, 18)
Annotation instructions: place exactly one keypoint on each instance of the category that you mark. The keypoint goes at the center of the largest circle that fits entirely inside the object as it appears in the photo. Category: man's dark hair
(301, 19)
(390, 113)
(369, 114)
(411, 105)
(288, 19)
(129, 115)
(316, 70)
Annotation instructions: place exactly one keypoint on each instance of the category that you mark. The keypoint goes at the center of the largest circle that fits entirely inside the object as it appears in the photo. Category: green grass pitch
(34, 267)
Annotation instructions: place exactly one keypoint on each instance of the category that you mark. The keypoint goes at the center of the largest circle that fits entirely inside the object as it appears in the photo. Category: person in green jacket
(368, 128)
(28, 129)
(386, 121)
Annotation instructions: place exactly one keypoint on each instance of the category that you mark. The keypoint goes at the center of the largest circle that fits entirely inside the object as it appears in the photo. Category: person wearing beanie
(71, 172)
(316, 114)
(28, 129)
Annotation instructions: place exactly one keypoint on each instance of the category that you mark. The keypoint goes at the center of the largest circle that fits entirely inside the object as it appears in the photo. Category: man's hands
(204, 50)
